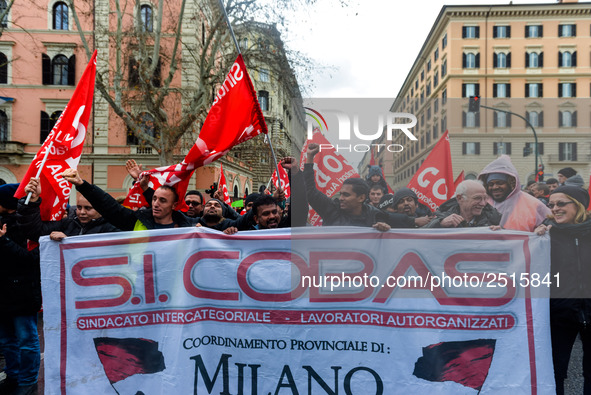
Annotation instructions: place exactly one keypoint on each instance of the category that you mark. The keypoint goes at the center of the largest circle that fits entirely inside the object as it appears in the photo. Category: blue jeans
(19, 342)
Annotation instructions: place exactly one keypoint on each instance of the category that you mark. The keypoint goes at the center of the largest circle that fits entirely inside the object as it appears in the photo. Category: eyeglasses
(192, 203)
(558, 204)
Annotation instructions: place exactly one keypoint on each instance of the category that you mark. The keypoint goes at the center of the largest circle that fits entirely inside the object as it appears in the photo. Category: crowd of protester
(495, 200)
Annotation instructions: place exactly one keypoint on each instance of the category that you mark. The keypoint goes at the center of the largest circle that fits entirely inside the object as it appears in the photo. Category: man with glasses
(468, 208)
(194, 200)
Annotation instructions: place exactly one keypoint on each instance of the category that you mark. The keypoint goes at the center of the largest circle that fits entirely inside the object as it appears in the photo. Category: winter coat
(20, 277)
(570, 245)
(29, 219)
(122, 217)
(520, 210)
(489, 216)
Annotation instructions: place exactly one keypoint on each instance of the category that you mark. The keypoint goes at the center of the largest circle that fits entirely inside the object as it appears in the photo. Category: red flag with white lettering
(234, 117)
(282, 182)
(223, 186)
(331, 169)
(434, 181)
(64, 144)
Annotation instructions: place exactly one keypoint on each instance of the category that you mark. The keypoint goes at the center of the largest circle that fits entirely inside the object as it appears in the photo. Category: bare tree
(144, 86)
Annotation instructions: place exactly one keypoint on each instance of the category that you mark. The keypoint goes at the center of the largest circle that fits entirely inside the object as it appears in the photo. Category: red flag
(372, 159)
(234, 117)
(459, 179)
(434, 181)
(64, 144)
(223, 186)
(283, 181)
(331, 169)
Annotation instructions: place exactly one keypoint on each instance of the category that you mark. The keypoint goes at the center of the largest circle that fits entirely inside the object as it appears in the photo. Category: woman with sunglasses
(570, 303)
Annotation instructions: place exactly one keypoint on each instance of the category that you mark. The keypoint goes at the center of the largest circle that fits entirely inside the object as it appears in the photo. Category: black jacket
(20, 278)
(123, 217)
(332, 215)
(29, 219)
(489, 216)
(570, 303)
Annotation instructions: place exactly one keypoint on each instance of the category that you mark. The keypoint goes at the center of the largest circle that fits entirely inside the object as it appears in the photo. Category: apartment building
(532, 60)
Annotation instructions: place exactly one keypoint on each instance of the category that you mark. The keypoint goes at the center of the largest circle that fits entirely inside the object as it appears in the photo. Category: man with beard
(267, 214)
(519, 210)
(405, 201)
(467, 209)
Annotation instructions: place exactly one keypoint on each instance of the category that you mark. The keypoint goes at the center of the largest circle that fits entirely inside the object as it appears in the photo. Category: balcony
(12, 148)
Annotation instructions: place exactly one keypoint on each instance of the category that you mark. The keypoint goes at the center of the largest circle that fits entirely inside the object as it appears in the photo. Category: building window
(444, 97)
(567, 151)
(264, 75)
(567, 59)
(264, 100)
(244, 43)
(436, 55)
(146, 18)
(567, 89)
(444, 41)
(501, 31)
(3, 8)
(435, 79)
(133, 78)
(470, 90)
(429, 65)
(529, 149)
(569, 30)
(534, 59)
(470, 148)
(470, 31)
(501, 119)
(501, 60)
(470, 60)
(428, 88)
(435, 106)
(534, 90)
(147, 124)
(59, 70)
(534, 31)
(422, 75)
(501, 148)
(443, 126)
(444, 68)
(470, 119)
(60, 16)
(47, 123)
(3, 69)
(535, 118)
(567, 119)
(3, 127)
(501, 90)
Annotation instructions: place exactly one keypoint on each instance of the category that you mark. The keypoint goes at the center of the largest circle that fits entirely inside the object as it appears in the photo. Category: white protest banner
(315, 310)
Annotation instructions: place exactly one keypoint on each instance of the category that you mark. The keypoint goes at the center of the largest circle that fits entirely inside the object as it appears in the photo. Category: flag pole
(239, 53)
(40, 169)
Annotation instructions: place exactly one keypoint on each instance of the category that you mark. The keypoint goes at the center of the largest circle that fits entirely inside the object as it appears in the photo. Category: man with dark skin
(351, 209)
(267, 214)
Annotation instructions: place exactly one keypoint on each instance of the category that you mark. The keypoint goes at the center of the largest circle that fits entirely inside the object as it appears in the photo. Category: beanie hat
(579, 194)
(251, 198)
(7, 199)
(497, 176)
(386, 201)
(402, 193)
(567, 172)
(575, 180)
(374, 171)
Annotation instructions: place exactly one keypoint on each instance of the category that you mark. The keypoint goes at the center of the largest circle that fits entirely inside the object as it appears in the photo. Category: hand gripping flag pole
(239, 53)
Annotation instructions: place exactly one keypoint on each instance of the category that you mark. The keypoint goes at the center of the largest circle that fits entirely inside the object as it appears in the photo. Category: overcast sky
(372, 43)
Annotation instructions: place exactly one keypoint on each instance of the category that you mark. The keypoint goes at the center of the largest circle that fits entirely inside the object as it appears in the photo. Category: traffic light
(474, 104)
(212, 188)
(540, 173)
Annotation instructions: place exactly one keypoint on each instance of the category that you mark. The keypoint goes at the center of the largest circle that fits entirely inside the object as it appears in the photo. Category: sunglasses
(192, 203)
(558, 204)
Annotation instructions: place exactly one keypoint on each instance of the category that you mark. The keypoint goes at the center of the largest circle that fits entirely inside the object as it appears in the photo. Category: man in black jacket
(161, 215)
(86, 219)
(350, 209)
(20, 300)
